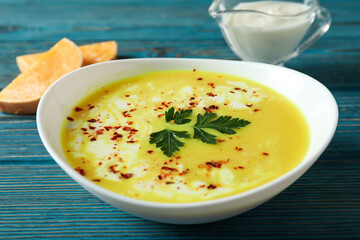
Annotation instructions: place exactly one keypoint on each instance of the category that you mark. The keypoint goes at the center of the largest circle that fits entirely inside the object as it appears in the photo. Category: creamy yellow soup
(106, 137)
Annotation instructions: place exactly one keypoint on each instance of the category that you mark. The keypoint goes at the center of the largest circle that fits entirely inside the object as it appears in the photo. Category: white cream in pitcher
(271, 31)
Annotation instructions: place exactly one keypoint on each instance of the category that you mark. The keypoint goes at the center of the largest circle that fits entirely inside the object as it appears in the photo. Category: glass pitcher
(270, 31)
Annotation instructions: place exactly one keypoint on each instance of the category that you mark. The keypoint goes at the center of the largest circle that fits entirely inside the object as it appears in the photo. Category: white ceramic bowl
(316, 102)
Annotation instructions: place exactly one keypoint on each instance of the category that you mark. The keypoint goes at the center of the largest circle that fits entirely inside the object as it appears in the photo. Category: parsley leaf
(178, 117)
(167, 140)
(223, 124)
(204, 136)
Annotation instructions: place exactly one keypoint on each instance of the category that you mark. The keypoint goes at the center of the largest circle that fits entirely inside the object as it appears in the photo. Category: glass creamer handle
(319, 27)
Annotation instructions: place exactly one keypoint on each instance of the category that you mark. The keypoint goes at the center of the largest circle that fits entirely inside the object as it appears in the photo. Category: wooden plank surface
(38, 200)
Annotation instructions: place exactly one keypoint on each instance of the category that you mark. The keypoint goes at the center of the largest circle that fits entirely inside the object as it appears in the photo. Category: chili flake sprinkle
(80, 170)
(213, 107)
(211, 186)
(126, 175)
(214, 164)
(239, 167)
(78, 109)
(169, 169)
(210, 94)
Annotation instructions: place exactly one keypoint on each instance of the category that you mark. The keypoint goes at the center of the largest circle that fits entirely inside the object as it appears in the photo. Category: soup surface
(184, 136)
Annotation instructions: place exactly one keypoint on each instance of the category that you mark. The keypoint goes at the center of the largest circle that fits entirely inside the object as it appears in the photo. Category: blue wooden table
(38, 200)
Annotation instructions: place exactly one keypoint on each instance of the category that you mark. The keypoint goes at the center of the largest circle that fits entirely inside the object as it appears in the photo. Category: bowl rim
(302, 167)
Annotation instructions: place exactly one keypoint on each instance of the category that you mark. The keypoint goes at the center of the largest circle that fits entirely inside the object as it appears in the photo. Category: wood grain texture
(38, 200)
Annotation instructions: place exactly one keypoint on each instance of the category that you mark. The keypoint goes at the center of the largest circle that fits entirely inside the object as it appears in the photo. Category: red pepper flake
(127, 95)
(169, 182)
(70, 119)
(80, 170)
(256, 110)
(126, 114)
(194, 70)
(93, 139)
(211, 94)
(112, 168)
(84, 129)
(128, 104)
(161, 115)
(214, 164)
(192, 103)
(169, 169)
(248, 105)
(207, 109)
(211, 85)
(78, 109)
(92, 127)
(92, 120)
(100, 163)
(211, 186)
(100, 131)
(150, 151)
(265, 154)
(131, 141)
(200, 79)
(116, 136)
(107, 128)
(127, 128)
(126, 175)
(130, 123)
(231, 91)
(133, 109)
(237, 88)
(117, 127)
(221, 140)
(96, 180)
(90, 106)
(184, 172)
(238, 148)
(159, 177)
(164, 104)
(244, 90)
(239, 167)
(213, 107)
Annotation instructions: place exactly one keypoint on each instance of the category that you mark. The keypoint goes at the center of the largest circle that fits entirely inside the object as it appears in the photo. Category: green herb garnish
(224, 124)
(167, 140)
(178, 117)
